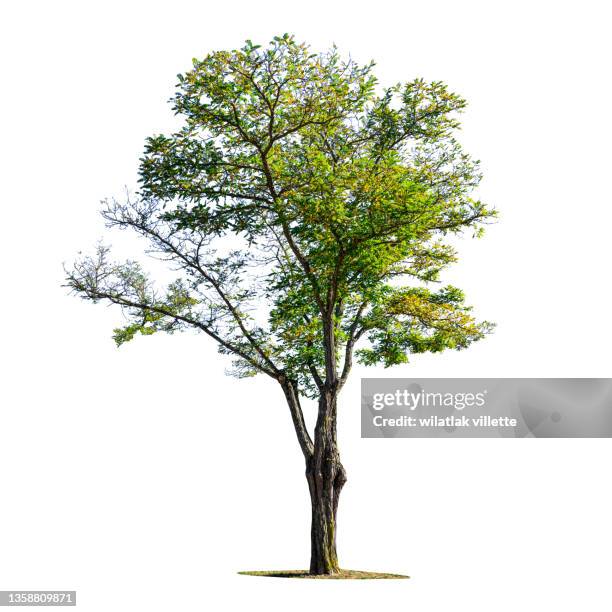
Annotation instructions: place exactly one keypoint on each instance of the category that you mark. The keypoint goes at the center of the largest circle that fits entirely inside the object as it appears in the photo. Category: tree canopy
(305, 209)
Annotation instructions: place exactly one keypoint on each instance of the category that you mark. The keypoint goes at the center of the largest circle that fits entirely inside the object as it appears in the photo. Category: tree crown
(304, 209)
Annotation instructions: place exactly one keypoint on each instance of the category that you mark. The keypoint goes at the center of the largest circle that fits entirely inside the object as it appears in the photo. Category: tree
(305, 210)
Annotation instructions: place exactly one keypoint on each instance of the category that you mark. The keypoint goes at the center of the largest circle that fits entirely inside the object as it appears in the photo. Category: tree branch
(293, 399)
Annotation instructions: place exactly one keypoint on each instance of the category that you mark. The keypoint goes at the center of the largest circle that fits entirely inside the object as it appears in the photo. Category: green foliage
(177, 302)
(302, 202)
(416, 320)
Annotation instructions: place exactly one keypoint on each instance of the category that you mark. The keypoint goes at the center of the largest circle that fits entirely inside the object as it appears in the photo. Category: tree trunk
(326, 477)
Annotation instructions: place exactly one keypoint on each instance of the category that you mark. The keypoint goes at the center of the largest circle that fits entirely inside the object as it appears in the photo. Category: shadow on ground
(341, 575)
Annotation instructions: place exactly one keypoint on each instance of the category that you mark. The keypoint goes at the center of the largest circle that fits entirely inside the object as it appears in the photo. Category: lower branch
(293, 400)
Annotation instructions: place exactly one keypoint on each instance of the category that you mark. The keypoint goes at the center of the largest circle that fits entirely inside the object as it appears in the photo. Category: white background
(144, 478)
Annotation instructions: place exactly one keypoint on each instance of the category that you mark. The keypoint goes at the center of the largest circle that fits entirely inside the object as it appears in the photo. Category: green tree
(305, 209)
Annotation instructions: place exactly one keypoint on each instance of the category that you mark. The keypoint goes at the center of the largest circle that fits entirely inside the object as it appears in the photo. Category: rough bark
(326, 477)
